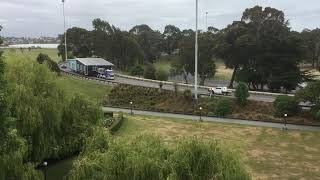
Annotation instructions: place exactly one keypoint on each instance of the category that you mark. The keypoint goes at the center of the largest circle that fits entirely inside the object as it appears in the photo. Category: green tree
(311, 94)
(242, 94)
(13, 148)
(137, 70)
(286, 105)
(224, 107)
(172, 37)
(51, 64)
(150, 72)
(149, 40)
(162, 75)
(207, 67)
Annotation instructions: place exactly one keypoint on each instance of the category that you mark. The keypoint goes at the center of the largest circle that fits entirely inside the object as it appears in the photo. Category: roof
(94, 62)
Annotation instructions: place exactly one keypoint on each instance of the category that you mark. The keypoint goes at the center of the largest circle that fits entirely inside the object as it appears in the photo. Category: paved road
(136, 82)
(264, 98)
(211, 119)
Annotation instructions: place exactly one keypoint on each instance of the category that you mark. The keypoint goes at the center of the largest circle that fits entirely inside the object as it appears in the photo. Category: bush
(242, 94)
(53, 66)
(187, 94)
(198, 159)
(117, 123)
(150, 72)
(317, 115)
(147, 157)
(286, 104)
(162, 75)
(224, 107)
(137, 70)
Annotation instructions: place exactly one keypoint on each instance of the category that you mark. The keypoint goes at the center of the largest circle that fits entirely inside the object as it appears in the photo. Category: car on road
(219, 91)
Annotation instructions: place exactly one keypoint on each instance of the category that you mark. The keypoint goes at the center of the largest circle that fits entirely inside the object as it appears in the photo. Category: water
(48, 46)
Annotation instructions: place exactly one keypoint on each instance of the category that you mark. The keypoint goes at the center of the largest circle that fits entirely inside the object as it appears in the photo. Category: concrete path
(212, 119)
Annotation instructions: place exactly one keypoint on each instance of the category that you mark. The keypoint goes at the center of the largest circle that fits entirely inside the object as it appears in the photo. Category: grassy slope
(92, 90)
(33, 54)
(268, 153)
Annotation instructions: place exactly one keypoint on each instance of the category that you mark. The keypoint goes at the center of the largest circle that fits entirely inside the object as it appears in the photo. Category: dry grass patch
(268, 153)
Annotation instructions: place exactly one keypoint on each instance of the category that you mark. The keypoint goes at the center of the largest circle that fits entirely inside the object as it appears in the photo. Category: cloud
(44, 17)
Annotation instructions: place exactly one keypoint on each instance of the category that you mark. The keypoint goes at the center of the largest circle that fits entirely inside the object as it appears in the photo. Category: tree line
(261, 48)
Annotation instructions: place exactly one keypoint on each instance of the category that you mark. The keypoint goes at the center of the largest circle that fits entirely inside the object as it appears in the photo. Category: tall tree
(149, 40)
(171, 36)
(311, 42)
(206, 64)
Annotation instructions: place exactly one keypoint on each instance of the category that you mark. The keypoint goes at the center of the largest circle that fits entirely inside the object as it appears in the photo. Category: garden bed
(152, 99)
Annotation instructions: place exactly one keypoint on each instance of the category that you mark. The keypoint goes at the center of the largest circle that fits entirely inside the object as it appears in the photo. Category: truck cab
(105, 74)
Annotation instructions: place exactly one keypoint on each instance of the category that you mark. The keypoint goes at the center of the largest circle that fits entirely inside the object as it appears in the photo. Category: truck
(219, 91)
(105, 74)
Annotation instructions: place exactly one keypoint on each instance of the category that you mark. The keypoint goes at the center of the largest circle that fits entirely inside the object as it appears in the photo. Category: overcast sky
(44, 17)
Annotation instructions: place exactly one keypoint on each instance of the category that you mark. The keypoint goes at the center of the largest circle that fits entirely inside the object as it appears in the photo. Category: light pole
(45, 164)
(285, 122)
(200, 113)
(65, 31)
(207, 21)
(131, 107)
(196, 57)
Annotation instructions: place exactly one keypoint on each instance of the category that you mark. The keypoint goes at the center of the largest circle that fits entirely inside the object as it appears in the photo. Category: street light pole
(45, 164)
(65, 31)
(131, 107)
(196, 57)
(200, 113)
(206, 21)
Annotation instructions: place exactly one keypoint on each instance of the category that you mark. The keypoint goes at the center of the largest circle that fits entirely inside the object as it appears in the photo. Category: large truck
(105, 74)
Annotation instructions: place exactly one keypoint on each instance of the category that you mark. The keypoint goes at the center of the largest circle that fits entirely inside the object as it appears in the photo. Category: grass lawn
(222, 73)
(94, 91)
(33, 54)
(268, 153)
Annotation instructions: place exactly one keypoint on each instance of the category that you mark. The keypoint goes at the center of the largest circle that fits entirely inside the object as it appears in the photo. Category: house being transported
(88, 66)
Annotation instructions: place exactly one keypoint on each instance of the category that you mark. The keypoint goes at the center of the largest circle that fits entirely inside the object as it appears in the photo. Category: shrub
(187, 94)
(137, 70)
(53, 66)
(317, 115)
(286, 104)
(117, 123)
(242, 94)
(147, 157)
(198, 159)
(150, 72)
(162, 75)
(224, 107)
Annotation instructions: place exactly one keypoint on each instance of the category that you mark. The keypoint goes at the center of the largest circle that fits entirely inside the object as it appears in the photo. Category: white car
(219, 91)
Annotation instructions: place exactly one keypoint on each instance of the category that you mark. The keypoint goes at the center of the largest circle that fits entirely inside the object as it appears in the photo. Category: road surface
(213, 119)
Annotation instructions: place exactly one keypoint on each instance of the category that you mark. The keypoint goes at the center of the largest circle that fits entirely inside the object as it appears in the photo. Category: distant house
(88, 66)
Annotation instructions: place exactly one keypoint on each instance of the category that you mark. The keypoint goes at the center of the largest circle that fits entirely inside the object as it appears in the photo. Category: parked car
(219, 91)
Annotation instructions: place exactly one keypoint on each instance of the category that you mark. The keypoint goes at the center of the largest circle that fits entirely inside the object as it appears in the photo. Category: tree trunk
(233, 76)
(185, 76)
(202, 80)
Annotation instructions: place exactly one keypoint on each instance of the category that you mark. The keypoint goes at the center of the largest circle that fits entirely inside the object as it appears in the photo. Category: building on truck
(89, 66)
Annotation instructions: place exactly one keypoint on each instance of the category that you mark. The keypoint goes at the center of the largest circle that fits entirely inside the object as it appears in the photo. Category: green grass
(268, 153)
(33, 54)
(94, 91)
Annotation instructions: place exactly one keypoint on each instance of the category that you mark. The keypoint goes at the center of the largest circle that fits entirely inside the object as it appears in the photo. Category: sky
(35, 18)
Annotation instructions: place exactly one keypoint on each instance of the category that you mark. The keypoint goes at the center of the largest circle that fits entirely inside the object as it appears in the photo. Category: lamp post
(207, 21)
(200, 108)
(196, 57)
(45, 164)
(131, 103)
(65, 31)
(285, 121)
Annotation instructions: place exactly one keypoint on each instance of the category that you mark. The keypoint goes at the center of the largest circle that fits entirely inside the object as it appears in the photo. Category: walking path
(214, 119)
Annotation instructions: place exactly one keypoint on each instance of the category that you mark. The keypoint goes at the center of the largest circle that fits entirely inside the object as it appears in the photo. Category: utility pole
(196, 57)
(65, 31)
